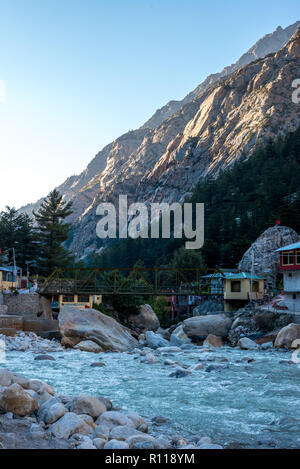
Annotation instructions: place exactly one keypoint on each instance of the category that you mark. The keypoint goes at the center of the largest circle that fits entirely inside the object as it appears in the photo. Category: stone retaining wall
(30, 306)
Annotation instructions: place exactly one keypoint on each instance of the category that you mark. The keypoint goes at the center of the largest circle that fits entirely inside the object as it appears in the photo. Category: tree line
(37, 241)
(254, 194)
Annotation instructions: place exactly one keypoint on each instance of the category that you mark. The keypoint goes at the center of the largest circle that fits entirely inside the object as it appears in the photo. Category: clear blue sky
(79, 73)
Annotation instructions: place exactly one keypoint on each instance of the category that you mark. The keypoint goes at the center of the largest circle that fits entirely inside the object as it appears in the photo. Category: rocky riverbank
(34, 416)
(241, 395)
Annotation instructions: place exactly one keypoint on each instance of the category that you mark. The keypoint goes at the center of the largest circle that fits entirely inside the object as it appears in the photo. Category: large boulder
(287, 335)
(89, 405)
(179, 337)
(18, 401)
(155, 340)
(51, 411)
(201, 326)
(78, 324)
(145, 320)
(69, 424)
(263, 249)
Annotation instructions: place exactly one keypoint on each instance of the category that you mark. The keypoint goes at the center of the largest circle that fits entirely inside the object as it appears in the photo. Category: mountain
(268, 44)
(224, 119)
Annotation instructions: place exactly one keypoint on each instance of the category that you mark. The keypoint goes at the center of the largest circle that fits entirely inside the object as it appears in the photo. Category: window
(288, 258)
(294, 296)
(68, 299)
(83, 299)
(298, 256)
(236, 286)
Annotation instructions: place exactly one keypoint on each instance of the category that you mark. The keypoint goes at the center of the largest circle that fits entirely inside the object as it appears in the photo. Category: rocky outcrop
(223, 120)
(78, 324)
(145, 320)
(287, 336)
(266, 260)
(201, 326)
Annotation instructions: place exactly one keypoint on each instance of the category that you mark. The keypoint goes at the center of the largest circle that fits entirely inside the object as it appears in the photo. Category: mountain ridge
(206, 135)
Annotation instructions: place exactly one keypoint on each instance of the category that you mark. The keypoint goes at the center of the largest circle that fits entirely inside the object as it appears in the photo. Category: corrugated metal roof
(233, 276)
(290, 246)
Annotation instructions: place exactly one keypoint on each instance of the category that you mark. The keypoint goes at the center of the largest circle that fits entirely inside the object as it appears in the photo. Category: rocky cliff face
(222, 121)
(268, 44)
(266, 260)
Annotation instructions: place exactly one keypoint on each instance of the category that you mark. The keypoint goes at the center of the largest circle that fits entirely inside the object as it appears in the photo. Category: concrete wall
(292, 301)
(29, 306)
(291, 281)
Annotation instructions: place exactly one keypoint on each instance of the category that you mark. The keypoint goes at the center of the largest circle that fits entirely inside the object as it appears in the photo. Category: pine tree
(52, 232)
(16, 231)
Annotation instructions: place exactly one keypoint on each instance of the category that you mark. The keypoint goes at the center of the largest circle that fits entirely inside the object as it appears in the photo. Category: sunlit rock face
(221, 121)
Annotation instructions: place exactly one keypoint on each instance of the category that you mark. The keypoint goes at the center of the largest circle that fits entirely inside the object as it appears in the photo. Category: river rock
(247, 344)
(149, 358)
(51, 411)
(287, 335)
(99, 443)
(169, 349)
(6, 377)
(18, 401)
(123, 432)
(202, 326)
(113, 418)
(116, 444)
(145, 320)
(88, 346)
(138, 422)
(69, 424)
(213, 341)
(39, 386)
(143, 441)
(44, 357)
(209, 446)
(90, 405)
(180, 373)
(179, 337)
(155, 340)
(78, 324)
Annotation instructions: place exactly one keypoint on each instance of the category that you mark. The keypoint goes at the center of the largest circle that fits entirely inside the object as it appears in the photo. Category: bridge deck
(121, 281)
